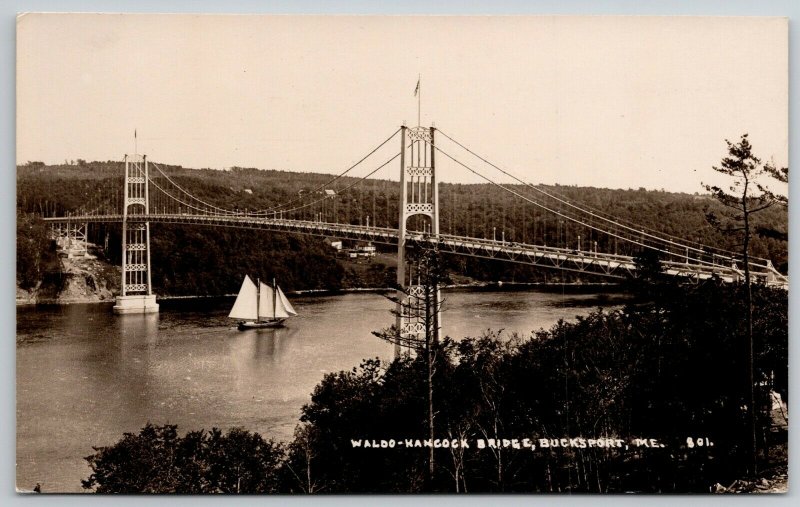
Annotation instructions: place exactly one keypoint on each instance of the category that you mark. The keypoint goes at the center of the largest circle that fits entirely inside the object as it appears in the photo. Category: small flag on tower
(416, 90)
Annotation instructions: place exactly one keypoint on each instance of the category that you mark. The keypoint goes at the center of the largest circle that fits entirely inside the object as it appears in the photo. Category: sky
(617, 102)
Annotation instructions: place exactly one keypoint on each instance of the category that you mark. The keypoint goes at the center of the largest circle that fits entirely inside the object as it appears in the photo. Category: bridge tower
(137, 292)
(419, 195)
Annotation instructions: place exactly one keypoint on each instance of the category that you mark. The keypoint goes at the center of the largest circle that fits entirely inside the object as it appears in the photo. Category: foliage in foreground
(667, 367)
(157, 460)
(667, 370)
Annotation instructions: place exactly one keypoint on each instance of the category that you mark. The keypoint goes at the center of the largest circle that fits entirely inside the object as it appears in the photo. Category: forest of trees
(33, 250)
(666, 367)
(199, 260)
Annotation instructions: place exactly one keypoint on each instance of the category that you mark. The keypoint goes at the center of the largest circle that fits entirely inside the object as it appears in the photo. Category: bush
(157, 460)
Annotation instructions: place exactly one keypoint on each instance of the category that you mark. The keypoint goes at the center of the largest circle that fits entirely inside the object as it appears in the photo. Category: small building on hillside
(334, 243)
(365, 250)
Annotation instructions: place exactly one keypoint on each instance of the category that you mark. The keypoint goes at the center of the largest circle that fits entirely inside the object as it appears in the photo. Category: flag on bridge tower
(419, 101)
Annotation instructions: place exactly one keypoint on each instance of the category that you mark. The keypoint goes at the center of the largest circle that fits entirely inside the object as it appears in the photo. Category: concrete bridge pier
(136, 304)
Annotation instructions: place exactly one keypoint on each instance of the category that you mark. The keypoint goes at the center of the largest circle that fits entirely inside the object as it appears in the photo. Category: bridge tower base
(137, 291)
(136, 304)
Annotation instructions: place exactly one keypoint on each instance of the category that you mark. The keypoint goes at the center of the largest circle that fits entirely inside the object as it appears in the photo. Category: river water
(85, 376)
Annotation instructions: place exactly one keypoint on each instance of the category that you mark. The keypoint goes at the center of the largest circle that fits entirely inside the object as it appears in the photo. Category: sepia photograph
(408, 254)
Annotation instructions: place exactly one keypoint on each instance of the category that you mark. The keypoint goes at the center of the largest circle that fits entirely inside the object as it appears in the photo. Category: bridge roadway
(598, 263)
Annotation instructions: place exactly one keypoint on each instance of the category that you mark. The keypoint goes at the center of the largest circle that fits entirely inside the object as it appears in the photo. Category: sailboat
(260, 306)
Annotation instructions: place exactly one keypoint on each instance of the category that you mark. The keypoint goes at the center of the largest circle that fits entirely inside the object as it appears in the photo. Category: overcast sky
(613, 102)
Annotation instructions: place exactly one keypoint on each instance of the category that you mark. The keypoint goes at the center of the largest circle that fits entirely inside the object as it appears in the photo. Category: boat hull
(262, 324)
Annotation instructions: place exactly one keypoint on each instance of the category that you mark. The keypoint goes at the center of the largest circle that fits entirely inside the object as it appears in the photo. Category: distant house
(360, 250)
(330, 193)
(365, 250)
(334, 243)
(247, 191)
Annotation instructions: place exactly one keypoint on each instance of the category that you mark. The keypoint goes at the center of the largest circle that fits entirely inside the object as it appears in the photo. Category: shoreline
(502, 286)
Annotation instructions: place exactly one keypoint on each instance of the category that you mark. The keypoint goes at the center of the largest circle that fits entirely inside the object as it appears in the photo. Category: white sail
(246, 304)
(287, 306)
(266, 304)
(278, 311)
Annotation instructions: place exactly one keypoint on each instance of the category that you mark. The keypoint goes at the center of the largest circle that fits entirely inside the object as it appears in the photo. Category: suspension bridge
(579, 238)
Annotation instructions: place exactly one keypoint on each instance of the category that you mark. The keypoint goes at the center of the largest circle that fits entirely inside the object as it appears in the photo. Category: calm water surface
(85, 376)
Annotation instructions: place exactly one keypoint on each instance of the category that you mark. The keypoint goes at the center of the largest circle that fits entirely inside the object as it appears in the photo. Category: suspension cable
(265, 210)
(591, 213)
(651, 247)
(356, 182)
(187, 192)
(333, 180)
(175, 198)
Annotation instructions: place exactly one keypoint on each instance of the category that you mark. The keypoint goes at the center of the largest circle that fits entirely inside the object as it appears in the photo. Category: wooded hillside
(198, 260)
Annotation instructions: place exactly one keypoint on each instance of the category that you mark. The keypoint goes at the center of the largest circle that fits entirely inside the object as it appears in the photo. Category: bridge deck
(598, 263)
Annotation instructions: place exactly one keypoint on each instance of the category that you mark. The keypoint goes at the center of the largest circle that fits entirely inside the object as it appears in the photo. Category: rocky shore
(81, 280)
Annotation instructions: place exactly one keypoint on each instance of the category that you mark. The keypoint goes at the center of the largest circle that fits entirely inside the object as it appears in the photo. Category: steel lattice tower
(137, 291)
(419, 195)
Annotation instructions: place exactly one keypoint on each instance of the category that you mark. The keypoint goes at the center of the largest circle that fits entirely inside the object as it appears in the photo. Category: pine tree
(745, 197)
